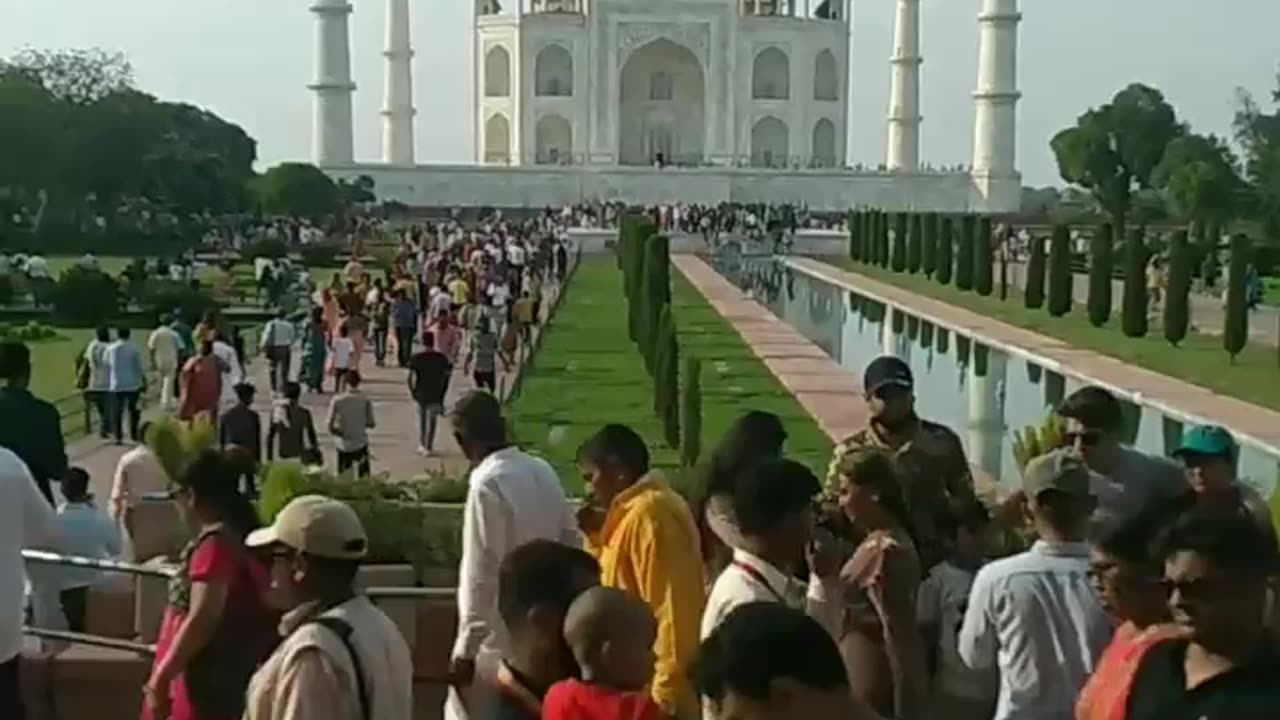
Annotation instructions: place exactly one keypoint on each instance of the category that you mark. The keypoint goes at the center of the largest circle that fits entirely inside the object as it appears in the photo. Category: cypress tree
(667, 381)
(691, 413)
(883, 251)
(1034, 290)
(871, 242)
(1177, 298)
(929, 250)
(855, 236)
(915, 243)
(1060, 275)
(898, 262)
(1134, 313)
(1101, 248)
(1235, 325)
(983, 257)
(655, 295)
(964, 253)
(633, 272)
(946, 250)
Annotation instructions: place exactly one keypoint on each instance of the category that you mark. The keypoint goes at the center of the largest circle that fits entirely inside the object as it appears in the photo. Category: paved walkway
(1167, 394)
(393, 443)
(1206, 311)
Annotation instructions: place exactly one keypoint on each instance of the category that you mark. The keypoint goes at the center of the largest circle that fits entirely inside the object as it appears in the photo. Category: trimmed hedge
(1101, 249)
(1033, 293)
(1177, 299)
(946, 250)
(1060, 275)
(1134, 311)
(915, 244)
(964, 253)
(1235, 325)
(983, 257)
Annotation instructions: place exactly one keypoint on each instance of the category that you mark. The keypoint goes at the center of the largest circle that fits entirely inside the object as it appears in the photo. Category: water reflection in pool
(980, 392)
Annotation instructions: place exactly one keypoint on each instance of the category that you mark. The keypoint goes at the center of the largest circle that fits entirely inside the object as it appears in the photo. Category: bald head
(603, 619)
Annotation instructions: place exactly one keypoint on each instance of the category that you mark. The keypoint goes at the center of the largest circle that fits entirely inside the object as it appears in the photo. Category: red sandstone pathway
(1160, 391)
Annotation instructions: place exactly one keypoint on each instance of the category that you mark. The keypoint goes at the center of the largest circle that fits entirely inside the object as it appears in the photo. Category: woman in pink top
(216, 628)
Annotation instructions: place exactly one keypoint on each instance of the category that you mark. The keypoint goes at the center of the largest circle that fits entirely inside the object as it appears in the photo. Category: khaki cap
(316, 525)
(1056, 470)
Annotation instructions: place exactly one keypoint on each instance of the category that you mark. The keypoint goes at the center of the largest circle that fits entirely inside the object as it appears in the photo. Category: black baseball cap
(885, 371)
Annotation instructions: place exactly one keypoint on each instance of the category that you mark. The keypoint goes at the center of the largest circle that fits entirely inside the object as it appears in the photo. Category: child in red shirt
(611, 634)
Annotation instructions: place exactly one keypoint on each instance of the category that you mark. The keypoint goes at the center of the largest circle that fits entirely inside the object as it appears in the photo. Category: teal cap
(1207, 440)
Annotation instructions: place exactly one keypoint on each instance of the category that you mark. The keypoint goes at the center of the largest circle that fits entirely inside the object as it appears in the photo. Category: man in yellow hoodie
(645, 538)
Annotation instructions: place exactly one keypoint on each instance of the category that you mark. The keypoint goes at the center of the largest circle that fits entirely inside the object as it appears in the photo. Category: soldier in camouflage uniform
(928, 457)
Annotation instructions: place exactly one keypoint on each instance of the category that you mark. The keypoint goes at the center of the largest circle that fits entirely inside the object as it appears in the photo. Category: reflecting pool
(982, 393)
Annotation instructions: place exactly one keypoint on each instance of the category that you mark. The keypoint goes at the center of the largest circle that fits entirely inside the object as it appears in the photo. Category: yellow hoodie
(648, 546)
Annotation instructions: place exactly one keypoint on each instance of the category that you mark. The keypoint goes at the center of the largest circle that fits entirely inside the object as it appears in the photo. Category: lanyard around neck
(755, 574)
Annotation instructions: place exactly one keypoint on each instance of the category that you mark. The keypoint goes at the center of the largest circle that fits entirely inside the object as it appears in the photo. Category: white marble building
(666, 100)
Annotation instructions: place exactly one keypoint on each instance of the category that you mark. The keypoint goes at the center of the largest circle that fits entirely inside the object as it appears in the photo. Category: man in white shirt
(1036, 615)
(26, 520)
(165, 346)
(773, 511)
(98, 389)
(513, 498)
(342, 658)
(277, 346)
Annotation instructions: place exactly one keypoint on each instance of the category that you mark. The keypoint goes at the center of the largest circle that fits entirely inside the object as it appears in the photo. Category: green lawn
(53, 362)
(588, 373)
(1199, 359)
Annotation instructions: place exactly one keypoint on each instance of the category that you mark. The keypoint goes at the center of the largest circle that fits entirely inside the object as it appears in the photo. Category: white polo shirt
(26, 520)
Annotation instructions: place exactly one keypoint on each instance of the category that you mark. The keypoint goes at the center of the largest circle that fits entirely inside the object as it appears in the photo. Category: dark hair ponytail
(873, 468)
(214, 485)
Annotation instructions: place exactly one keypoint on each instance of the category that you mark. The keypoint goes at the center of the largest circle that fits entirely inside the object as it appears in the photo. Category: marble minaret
(397, 109)
(904, 93)
(995, 141)
(332, 134)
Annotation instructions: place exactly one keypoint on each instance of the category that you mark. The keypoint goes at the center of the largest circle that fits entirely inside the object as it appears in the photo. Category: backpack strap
(343, 630)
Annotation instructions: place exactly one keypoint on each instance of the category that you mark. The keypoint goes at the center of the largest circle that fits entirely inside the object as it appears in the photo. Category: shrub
(321, 254)
(84, 297)
(1100, 262)
(691, 413)
(929, 248)
(8, 289)
(946, 248)
(32, 332)
(1235, 326)
(1177, 300)
(1060, 275)
(915, 244)
(1134, 314)
(160, 296)
(898, 261)
(983, 257)
(1034, 290)
(964, 253)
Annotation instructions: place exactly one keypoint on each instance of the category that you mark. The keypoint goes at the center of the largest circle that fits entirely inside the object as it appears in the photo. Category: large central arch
(662, 106)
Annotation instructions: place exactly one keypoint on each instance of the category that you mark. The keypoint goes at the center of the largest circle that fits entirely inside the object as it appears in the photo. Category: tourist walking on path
(215, 629)
(773, 507)
(341, 657)
(1217, 568)
(645, 538)
(1035, 615)
(26, 520)
(37, 438)
(879, 639)
(1124, 480)
(503, 477)
(292, 432)
(350, 420)
(928, 457)
(98, 388)
(343, 358)
(429, 373)
(83, 530)
(128, 381)
(404, 316)
(957, 690)
(137, 474)
(537, 583)
(277, 347)
(379, 322)
(201, 385)
(166, 348)
(1128, 575)
(483, 357)
(447, 334)
(315, 350)
(240, 438)
(766, 661)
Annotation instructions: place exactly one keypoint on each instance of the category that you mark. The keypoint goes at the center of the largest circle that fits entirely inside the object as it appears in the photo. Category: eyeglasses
(1087, 438)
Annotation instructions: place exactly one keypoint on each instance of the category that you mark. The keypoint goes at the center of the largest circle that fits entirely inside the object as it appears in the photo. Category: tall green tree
(1034, 290)
(666, 379)
(298, 189)
(1177, 301)
(929, 261)
(983, 258)
(1113, 150)
(946, 250)
(855, 235)
(1100, 262)
(656, 291)
(1060, 275)
(1258, 134)
(691, 413)
(1198, 175)
(964, 252)
(915, 243)
(898, 261)
(1235, 324)
(1134, 313)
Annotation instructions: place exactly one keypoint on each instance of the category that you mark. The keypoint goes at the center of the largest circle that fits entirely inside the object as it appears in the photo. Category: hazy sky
(249, 61)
